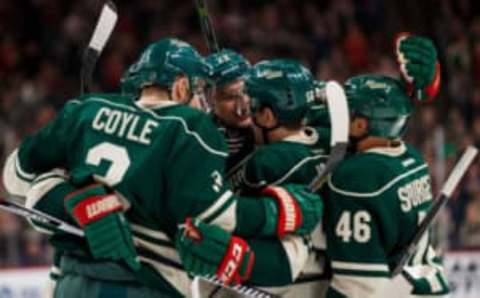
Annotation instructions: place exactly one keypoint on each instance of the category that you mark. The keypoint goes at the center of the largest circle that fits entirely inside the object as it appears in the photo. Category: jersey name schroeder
(124, 125)
(415, 193)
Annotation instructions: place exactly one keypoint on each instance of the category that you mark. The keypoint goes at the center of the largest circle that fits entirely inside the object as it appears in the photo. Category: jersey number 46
(354, 225)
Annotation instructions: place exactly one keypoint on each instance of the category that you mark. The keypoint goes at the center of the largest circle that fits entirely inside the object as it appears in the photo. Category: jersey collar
(307, 136)
(389, 151)
(157, 105)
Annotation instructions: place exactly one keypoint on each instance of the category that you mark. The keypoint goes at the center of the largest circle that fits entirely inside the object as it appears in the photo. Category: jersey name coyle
(124, 125)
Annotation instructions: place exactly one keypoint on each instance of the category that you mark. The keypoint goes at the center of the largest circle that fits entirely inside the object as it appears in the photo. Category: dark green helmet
(382, 100)
(284, 86)
(227, 66)
(162, 62)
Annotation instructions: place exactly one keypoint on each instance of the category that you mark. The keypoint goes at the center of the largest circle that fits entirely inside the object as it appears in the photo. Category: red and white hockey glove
(419, 66)
(208, 250)
(293, 210)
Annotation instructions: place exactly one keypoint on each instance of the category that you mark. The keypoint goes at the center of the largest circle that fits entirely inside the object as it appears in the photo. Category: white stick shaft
(459, 170)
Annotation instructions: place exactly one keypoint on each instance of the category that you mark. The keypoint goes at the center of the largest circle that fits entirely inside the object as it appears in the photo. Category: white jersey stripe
(24, 175)
(218, 204)
(377, 192)
(296, 167)
(14, 184)
(155, 234)
(360, 266)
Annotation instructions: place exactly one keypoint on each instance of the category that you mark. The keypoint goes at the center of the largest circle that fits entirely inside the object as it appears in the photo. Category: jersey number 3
(356, 225)
(116, 155)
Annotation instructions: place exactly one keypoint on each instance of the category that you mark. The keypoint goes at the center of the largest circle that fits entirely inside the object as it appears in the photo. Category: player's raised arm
(419, 65)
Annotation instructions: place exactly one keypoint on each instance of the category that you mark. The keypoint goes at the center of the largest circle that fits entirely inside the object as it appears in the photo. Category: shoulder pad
(361, 175)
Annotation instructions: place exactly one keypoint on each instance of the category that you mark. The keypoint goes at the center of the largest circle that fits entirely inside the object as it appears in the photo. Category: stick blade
(101, 34)
(340, 123)
(104, 28)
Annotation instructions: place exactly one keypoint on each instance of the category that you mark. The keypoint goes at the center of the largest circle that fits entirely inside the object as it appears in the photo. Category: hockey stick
(340, 119)
(41, 217)
(446, 192)
(104, 28)
(207, 27)
(209, 36)
(216, 288)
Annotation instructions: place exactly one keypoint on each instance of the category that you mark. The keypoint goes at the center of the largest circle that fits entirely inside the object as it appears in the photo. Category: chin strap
(265, 130)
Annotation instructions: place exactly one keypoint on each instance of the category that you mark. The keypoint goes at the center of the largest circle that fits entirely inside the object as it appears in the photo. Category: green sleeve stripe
(220, 210)
(21, 173)
(377, 192)
(361, 273)
(444, 283)
(171, 118)
(48, 176)
(219, 203)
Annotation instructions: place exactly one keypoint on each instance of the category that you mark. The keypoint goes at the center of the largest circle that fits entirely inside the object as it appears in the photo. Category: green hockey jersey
(168, 161)
(374, 202)
(295, 159)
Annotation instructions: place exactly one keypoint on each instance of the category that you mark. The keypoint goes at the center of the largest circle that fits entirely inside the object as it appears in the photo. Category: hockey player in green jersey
(231, 112)
(376, 197)
(281, 92)
(165, 162)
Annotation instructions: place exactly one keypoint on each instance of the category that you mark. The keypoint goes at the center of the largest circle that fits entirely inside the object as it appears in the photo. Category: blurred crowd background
(41, 43)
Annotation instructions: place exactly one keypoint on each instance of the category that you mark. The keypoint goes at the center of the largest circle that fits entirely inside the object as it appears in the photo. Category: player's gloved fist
(417, 58)
(208, 250)
(293, 210)
(100, 213)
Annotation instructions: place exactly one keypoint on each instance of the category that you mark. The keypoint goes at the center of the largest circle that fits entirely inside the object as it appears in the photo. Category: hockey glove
(100, 213)
(208, 250)
(417, 58)
(292, 210)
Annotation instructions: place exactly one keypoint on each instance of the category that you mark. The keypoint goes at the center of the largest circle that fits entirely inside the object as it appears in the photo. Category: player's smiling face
(232, 104)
